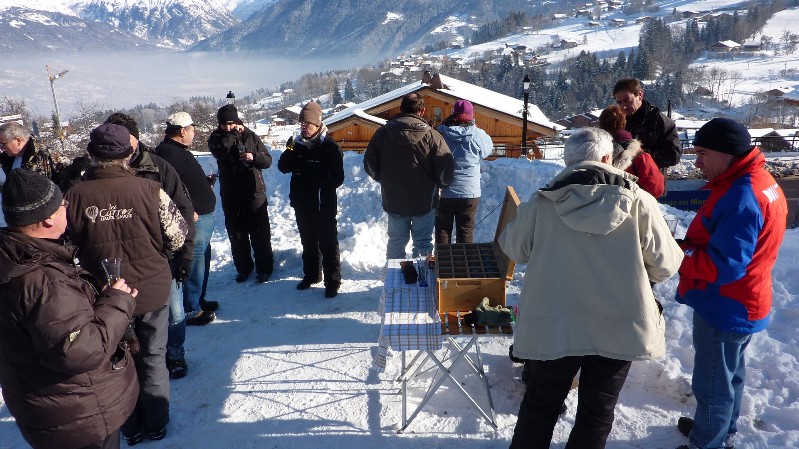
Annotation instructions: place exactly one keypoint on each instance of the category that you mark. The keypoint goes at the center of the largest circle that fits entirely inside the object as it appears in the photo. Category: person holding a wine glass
(67, 377)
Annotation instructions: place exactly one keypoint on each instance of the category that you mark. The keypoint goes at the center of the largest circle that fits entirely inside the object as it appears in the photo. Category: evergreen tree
(335, 97)
(349, 91)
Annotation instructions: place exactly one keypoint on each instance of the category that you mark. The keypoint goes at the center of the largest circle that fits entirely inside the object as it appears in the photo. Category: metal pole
(52, 79)
(524, 124)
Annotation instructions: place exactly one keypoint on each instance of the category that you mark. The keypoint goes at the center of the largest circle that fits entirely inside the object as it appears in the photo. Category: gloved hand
(493, 315)
(184, 268)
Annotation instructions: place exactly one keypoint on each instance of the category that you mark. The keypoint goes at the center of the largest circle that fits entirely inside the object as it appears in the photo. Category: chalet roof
(787, 132)
(457, 89)
(728, 44)
(759, 132)
(294, 109)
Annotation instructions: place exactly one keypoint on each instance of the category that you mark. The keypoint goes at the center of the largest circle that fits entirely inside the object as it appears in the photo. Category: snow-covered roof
(458, 89)
(689, 124)
(759, 132)
(788, 132)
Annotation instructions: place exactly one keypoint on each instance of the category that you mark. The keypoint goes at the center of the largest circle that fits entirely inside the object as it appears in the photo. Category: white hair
(587, 144)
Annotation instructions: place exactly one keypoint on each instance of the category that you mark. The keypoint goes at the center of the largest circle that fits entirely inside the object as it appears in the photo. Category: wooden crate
(468, 272)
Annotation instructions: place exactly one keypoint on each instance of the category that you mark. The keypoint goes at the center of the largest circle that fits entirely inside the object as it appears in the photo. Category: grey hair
(587, 144)
(12, 130)
(124, 162)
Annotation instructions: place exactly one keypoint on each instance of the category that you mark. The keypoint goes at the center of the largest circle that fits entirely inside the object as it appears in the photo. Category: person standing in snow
(241, 156)
(628, 154)
(654, 129)
(592, 241)
(115, 213)
(411, 161)
(316, 164)
(18, 149)
(66, 377)
(730, 248)
(459, 200)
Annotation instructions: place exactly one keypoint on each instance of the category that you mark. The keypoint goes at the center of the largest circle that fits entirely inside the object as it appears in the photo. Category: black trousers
(461, 212)
(319, 239)
(249, 233)
(548, 382)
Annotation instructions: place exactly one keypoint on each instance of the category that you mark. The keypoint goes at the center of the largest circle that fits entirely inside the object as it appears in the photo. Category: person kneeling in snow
(592, 240)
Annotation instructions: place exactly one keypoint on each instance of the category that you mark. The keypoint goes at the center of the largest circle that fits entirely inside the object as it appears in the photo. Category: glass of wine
(113, 269)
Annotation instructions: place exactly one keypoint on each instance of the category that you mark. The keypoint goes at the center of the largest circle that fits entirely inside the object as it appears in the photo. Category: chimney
(436, 82)
(426, 78)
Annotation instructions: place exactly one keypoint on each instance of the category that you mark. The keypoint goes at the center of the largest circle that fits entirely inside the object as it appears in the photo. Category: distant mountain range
(371, 28)
(80, 25)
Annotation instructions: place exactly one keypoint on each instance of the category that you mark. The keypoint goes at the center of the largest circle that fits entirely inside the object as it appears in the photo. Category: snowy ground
(287, 369)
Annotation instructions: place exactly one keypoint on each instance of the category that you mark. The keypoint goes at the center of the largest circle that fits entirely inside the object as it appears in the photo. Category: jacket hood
(407, 128)
(457, 133)
(591, 197)
(20, 254)
(624, 151)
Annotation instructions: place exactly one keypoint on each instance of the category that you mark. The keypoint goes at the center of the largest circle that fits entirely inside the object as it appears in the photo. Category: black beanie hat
(311, 113)
(228, 113)
(29, 197)
(110, 142)
(725, 136)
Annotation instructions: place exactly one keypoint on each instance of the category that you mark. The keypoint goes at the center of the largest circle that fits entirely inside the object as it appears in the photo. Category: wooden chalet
(499, 115)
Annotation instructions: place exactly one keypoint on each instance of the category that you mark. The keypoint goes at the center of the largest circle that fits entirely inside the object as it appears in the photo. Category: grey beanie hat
(311, 113)
(29, 197)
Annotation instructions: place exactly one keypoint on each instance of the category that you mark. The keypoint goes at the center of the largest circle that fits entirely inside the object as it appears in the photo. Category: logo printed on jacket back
(112, 212)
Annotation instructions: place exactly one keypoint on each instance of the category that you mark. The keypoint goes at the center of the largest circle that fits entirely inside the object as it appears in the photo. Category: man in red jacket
(730, 248)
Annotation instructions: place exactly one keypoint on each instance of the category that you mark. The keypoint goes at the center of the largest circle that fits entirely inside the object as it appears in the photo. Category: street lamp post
(526, 84)
(52, 79)
(231, 99)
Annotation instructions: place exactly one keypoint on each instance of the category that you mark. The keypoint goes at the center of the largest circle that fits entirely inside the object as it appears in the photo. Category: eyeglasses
(64, 204)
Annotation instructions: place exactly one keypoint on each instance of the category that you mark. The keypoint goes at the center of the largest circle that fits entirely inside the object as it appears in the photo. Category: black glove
(184, 268)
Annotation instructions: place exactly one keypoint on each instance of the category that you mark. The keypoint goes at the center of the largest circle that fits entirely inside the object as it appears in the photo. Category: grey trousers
(152, 409)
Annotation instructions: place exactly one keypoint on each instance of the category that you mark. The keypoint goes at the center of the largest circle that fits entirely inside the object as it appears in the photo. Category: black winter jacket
(190, 172)
(317, 170)
(146, 165)
(411, 161)
(237, 179)
(657, 134)
(64, 376)
(116, 214)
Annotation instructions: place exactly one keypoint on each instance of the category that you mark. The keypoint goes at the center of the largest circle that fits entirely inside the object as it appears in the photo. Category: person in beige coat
(593, 241)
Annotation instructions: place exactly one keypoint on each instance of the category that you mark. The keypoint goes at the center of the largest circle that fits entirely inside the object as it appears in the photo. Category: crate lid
(506, 215)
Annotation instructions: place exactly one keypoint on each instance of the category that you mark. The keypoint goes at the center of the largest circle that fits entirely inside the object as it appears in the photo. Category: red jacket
(649, 176)
(731, 246)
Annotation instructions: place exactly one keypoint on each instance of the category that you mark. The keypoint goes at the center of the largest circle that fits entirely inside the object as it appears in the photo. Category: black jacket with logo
(114, 213)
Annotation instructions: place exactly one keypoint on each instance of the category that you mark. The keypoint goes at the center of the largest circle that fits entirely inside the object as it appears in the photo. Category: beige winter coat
(592, 243)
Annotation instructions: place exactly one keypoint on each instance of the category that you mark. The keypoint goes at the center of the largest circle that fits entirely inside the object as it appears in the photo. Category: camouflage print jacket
(37, 159)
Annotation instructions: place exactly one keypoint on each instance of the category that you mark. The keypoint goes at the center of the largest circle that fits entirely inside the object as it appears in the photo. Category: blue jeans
(718, 384)
(177, 323)
(194, 287)
(403, 227)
